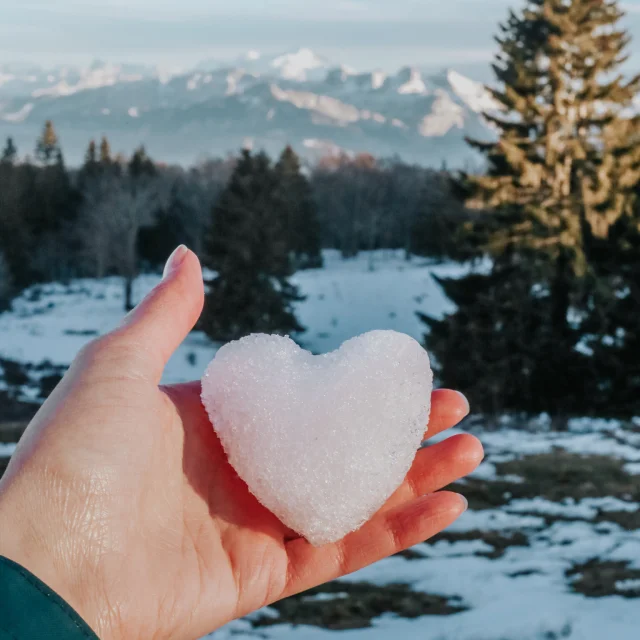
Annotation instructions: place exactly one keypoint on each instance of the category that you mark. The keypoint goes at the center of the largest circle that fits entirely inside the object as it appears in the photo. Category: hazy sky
(362, 33)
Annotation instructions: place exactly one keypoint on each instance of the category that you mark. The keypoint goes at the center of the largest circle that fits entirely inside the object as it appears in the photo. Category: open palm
(121, 499)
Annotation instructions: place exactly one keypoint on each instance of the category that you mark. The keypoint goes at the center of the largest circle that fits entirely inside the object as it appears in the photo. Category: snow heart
(321, 441)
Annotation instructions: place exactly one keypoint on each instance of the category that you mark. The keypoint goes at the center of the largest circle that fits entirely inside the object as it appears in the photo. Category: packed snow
(271, 403)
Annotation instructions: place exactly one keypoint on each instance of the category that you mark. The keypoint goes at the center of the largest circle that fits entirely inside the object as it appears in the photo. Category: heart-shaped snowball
(321, 441)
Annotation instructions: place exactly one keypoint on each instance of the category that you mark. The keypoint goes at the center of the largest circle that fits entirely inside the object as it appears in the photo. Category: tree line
(252, 220)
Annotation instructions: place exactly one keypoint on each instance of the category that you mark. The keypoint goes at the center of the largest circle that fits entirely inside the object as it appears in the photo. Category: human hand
(120, 497)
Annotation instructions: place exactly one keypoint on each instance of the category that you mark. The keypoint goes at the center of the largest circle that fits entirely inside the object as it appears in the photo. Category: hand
(120, 498)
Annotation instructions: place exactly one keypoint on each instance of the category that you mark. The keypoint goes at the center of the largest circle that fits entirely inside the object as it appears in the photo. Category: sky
(364, 34)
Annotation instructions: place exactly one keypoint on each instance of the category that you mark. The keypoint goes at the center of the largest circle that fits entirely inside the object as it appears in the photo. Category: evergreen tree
(10, 152)
(141, 164)
(105, 151)
(59, 161)
(498, 346)
(47, 147)
(90, 156)
(6, 284)
(38, 208)
(300, 211)
(558, 178)
(90, 167)
(247, 247)
(611, 329)
(436, 219)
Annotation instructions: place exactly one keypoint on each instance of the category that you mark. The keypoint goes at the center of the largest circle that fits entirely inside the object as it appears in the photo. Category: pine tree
(47, 147)
(90, 156)
(10, 152)
(247, 247)
(436, 219)
(611, 328)
(299, 210)
(491, 347)
(90, 167)
(558, 178)
(141, 164)
(59, 161)
(6, 283)
(105, 151)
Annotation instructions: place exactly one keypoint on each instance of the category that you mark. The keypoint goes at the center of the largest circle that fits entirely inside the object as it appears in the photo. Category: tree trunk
(373, 233)
(408, 248)
(131, 268)
(128, 293)
(101, 263)
(560, 295)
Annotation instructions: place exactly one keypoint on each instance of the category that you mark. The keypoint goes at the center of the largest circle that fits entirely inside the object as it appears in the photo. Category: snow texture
(321, 441)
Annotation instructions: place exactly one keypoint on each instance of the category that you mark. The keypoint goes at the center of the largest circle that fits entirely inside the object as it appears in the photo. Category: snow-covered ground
(520, 570)
(550, 547)
(379, 290)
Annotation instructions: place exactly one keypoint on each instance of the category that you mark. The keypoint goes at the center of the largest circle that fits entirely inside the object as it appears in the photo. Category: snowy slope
(379, 290)
(290, 98)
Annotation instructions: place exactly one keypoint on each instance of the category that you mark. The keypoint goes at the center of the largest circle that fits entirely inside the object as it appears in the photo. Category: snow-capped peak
(378, 78)
(297, 96)
(411, 82)
(445, 115)
(98, 74)
(474, 94)
(297, 65)
(337, 75)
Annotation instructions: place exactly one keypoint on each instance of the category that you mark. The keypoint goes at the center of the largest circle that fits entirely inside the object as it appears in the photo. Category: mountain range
(264, 101)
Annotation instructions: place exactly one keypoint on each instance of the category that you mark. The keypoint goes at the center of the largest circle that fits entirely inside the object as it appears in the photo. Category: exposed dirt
(499, 541)
(556, 476)
(353, 605)
(597, 579)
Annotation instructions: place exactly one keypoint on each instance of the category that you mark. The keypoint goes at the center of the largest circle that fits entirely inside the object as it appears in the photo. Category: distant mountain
(216, 107)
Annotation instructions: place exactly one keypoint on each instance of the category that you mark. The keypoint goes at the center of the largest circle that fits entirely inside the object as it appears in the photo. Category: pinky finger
(386, 534)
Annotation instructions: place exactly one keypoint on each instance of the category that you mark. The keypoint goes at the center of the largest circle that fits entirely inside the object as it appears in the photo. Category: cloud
(363, 33)
(432, 11)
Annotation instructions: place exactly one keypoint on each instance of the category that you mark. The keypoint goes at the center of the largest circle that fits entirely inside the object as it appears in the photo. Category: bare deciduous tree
(116, 209)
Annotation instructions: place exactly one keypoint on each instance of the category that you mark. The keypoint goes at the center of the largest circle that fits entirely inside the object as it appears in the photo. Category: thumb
(160, 323)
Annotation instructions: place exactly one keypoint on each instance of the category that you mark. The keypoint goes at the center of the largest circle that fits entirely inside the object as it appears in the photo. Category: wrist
(45, 550)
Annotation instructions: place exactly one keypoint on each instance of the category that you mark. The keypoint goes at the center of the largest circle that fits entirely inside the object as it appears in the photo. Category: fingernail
(465, 502)
(174, 261)
(466, 402)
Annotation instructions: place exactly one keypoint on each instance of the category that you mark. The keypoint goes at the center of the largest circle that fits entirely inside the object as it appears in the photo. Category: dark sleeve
(30, 610)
